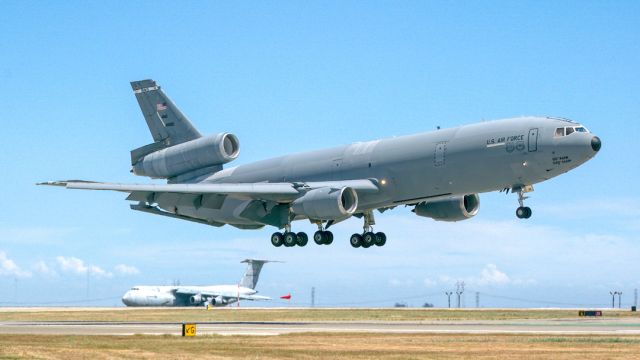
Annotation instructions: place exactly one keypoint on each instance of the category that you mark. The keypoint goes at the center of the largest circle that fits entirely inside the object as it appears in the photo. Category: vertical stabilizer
(250, 278)
(167, 124)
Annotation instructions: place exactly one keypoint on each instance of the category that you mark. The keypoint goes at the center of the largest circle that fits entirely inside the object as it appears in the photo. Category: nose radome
(596, 144)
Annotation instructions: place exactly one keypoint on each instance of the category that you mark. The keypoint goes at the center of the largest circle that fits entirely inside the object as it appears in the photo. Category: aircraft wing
(227, 295)
(280, 192)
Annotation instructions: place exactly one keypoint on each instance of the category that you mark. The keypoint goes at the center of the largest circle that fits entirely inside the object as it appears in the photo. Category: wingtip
(53, 183)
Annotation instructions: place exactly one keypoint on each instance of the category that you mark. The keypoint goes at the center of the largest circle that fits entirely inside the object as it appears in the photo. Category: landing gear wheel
(368, 239)
(277, 239)
(381, 239)
(329, 237)
(302, 239)
(356, 240)
(290, 239)
(319, 237)
(523, 212)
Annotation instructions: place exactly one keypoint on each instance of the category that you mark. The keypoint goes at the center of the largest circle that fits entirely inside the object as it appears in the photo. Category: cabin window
(559, 132)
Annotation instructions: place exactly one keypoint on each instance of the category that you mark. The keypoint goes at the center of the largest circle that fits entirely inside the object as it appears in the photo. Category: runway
(567, 327)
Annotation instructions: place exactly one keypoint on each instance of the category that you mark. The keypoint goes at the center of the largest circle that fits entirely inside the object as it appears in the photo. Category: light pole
(619, 299)
(613, 298)
(449, 297)
(459, 290)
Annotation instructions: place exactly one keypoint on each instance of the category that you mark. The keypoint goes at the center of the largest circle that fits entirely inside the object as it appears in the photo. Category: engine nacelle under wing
(218, 301)
(192, 155)
(326, 203)
(196, 299)
(454, 209)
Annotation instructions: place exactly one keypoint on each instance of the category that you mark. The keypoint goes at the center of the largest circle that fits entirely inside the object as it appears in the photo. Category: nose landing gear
(522, 212)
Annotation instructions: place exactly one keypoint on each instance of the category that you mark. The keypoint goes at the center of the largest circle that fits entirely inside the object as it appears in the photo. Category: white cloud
(123, 269)
(99, 272)
(490, 275)
(429, 282)
(9, 267)
(400, 283)
(77, 266)
(44, 269)
(72, 264)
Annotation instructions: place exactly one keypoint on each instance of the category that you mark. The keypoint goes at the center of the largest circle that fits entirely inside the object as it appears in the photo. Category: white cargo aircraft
(215, 295)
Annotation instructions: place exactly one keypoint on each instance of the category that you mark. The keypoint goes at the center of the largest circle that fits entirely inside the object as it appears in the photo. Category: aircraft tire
(290, 239)
(277, 239)
(329, 237)
(521, 212)
(318, 237)
(368, 239)
(302, 239)
(528, 212)
(381, 239)
(356, 240)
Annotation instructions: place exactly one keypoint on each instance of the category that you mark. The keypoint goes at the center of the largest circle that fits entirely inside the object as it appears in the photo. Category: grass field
(287, 314)
(322, 346)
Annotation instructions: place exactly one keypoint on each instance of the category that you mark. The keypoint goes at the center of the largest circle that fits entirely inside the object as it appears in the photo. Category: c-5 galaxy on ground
(438, 173)
(214, 295)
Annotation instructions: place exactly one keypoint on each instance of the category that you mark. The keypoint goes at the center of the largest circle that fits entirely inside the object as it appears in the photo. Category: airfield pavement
(318, 333)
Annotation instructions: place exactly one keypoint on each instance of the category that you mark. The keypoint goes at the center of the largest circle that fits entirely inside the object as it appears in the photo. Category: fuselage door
(533, 140)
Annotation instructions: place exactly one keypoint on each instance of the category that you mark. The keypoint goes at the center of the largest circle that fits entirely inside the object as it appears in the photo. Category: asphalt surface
(580, 327)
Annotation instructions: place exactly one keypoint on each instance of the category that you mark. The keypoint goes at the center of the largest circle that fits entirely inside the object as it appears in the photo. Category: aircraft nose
(596, 144)
(126, 298)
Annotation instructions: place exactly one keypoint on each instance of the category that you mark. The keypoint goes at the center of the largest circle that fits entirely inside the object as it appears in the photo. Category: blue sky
(294, 76)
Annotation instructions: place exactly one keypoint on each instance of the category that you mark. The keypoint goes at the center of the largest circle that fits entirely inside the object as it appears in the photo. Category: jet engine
(326, 203)
(218, 301)
(192, 155)
(195, 299)
(454, 209)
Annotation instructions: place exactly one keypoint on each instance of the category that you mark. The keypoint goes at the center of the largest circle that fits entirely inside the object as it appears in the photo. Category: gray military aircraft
(438, 173)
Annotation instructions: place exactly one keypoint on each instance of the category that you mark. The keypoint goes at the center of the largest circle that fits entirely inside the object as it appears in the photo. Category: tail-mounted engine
(188, 156)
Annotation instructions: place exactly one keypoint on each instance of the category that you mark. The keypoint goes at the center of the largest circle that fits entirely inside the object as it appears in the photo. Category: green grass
(287, 314)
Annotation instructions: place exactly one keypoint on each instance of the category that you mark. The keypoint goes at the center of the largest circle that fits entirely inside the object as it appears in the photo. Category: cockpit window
(569, 130)
(135, 288)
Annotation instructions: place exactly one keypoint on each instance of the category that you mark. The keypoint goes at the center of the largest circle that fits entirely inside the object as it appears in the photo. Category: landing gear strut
(368, 237)
(523, 212)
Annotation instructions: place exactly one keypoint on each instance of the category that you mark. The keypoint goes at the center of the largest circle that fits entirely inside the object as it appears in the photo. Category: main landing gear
(368, 237)
(290, 238)
(322, 236)
(365, 240)
(523, 212)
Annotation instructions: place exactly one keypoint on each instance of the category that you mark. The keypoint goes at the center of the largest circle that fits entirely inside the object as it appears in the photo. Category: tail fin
(168, 125)
(250, 278)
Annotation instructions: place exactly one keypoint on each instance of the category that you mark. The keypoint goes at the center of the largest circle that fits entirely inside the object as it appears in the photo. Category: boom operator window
(567, 130)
